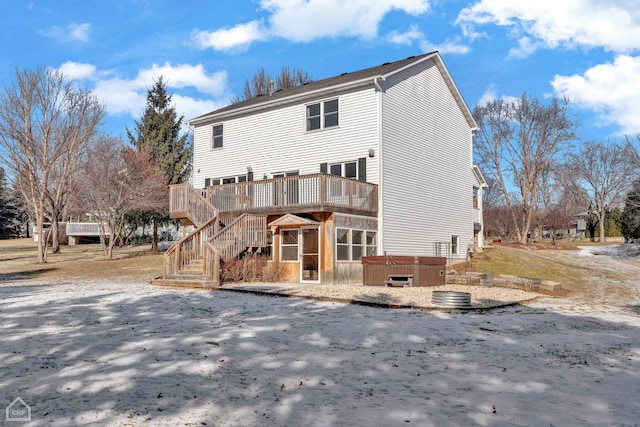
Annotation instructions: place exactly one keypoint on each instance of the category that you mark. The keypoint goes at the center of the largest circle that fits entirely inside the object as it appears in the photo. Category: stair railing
(190, 248)
(248, 230)
(186, 200)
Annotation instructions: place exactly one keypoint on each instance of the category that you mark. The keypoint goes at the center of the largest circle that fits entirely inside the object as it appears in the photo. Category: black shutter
(362, 169)
(207, 182)
(249, 176)
(324, 167)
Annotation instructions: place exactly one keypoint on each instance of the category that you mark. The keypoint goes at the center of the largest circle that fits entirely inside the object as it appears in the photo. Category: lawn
(18, 260)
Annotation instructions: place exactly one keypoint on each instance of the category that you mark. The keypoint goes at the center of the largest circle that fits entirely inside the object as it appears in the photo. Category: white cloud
(415, 35)
(72, 32)
(612, 90)
(451, 46)
(307, 20)
(184, 75)
(128, 96)
(406, 38)
(234, 38)
(613, 25)
(491, 94)
(76, 70)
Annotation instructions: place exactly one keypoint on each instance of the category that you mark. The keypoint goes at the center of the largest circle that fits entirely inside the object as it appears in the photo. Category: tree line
(62, 165)
(542, 177)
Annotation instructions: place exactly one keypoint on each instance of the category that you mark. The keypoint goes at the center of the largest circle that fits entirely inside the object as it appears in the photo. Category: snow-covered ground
(129, 354)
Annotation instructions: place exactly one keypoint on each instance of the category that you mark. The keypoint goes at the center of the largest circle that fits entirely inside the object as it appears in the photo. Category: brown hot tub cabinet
(426, 271)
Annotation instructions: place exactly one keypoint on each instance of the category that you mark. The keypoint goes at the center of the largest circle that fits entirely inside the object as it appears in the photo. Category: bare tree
(117, 180)
(605, 172)
(261, 83)
(633, 144)
(517, 143)
(45, 123)
(289, 78)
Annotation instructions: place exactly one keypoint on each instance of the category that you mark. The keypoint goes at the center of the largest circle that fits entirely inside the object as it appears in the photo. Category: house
(373, 162)
(478, 223)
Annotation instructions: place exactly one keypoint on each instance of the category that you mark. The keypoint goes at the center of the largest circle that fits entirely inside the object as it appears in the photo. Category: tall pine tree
(9, 210)
(160, 129)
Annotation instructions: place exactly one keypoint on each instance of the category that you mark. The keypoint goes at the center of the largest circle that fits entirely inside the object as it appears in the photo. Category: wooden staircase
(196, 259)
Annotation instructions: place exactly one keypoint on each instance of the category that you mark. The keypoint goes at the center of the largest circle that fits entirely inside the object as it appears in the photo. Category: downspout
(380, 174)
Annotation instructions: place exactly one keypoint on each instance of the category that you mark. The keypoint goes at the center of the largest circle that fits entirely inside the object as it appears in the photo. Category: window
(352, 245)
(372, 243)
(346, 169)
(313, 117)
(357, 245)
(343, 242)
(217, 137)
(475, 197)
(331, 113)
(225, 180)
(322, 115)
(289, 245)
(454, 245)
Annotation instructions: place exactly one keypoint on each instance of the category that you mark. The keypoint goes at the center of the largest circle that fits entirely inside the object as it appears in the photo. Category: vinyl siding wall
(426, 193)
(275, 141)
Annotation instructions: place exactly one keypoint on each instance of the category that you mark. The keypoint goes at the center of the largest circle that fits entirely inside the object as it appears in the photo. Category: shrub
(251, 268)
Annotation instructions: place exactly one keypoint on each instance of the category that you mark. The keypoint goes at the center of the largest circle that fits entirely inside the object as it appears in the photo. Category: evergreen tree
(630, 222)
(9, 210)
(160, 128)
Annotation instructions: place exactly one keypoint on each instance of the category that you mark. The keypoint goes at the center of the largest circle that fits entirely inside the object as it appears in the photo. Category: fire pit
(451, 299)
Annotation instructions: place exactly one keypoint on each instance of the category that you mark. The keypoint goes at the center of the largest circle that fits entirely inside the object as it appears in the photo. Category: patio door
(310, 255)
(285, 192)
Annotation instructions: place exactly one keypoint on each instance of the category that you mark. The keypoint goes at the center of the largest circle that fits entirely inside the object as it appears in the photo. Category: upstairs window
(322, 115)
(217, 137)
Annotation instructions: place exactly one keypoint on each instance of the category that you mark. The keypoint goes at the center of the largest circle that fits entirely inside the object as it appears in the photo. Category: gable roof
(333, 84)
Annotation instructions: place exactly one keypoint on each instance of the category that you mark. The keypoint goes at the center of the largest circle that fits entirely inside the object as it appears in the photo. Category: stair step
(186, 276)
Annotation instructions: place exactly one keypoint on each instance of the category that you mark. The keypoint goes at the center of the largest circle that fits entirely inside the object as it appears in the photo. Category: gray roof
(387, 67)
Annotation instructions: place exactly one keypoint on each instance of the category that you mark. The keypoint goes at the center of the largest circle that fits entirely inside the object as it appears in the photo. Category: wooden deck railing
(185, 202)
(316, 192)
(248, 230)
(190, 248)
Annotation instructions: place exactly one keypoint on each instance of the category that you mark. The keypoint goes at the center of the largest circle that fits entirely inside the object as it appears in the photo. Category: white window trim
(297, 245)
(322, 115)
(455, 246)
(213, 137)
(350, 244)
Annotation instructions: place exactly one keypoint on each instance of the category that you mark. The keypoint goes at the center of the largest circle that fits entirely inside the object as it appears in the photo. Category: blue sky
(587, 50)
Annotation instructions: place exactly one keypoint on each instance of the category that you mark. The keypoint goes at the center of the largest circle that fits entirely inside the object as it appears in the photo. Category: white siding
(274, 141)
(426, 193)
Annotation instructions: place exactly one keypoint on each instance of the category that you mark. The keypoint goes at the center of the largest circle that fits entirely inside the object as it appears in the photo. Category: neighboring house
(478, 223)
(374, 162)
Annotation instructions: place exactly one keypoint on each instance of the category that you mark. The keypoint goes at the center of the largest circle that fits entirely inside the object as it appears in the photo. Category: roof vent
(386, 63)
(411, 57)
(344, 74)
